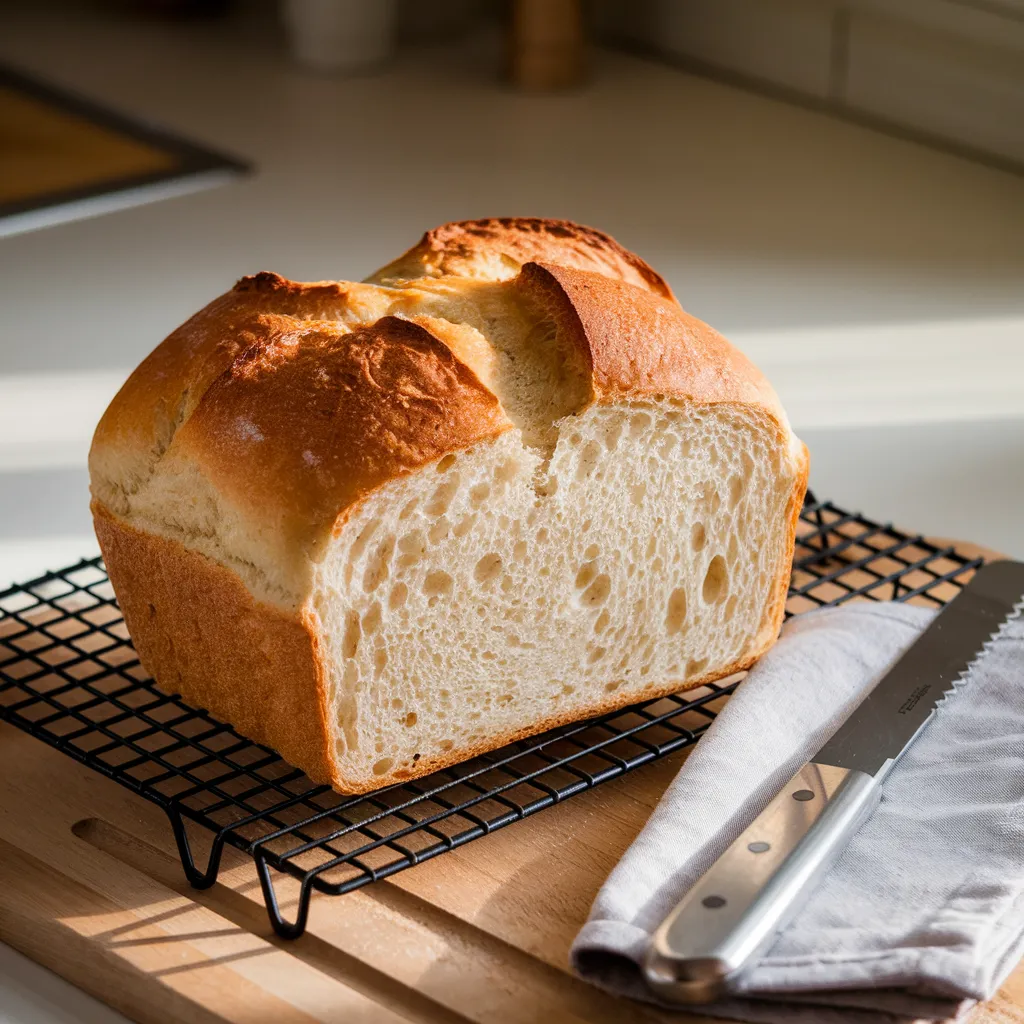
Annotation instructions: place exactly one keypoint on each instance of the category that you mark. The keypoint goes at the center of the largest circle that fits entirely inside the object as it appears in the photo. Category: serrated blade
(902, 703)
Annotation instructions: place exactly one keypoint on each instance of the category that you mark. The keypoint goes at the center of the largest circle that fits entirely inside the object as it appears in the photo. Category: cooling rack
(69, 676)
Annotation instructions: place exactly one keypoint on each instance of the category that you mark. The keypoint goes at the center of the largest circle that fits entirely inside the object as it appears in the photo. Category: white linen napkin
(924, 912)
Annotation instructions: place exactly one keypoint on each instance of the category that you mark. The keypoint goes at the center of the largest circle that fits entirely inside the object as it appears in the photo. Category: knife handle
(736, 908)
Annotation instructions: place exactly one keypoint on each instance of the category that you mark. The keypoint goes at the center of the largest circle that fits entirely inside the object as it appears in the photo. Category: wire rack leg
(286, 929)
(197, 879)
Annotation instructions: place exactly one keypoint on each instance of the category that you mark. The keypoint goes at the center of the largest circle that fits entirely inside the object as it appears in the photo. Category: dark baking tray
(69, 676)
(190, 167)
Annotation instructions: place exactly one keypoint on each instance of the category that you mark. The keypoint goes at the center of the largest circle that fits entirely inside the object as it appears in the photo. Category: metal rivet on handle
(759, 847)
(713, 902)
(803, 794)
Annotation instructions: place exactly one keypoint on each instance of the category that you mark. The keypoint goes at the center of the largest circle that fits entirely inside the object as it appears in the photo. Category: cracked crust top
(494, 249)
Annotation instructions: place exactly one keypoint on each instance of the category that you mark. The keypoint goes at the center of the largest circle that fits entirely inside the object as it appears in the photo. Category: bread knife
(755, 887)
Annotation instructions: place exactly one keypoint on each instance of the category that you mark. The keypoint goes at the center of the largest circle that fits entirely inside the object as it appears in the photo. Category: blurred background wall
(948, 71)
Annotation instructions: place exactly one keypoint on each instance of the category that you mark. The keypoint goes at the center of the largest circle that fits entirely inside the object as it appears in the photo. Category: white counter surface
(879, 284)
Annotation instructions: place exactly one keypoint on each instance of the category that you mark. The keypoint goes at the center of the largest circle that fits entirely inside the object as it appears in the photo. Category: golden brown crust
(141, 421)
(641, 345)
(199, 632)
(494, 249)
(313, 416)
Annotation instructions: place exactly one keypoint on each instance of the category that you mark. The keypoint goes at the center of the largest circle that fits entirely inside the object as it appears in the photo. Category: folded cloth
(924, 911)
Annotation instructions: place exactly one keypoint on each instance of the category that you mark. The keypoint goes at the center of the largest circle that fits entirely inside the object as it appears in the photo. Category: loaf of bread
(505, 483)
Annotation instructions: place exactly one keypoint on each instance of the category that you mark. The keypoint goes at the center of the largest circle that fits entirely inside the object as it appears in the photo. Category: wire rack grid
(69, 676)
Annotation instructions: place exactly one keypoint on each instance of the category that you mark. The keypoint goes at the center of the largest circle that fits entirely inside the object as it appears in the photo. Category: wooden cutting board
(90, 886)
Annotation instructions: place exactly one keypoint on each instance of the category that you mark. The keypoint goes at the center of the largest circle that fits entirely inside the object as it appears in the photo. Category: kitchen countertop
(879, 284)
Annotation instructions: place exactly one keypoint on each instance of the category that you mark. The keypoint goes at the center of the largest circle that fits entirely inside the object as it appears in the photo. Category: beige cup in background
(340, 35)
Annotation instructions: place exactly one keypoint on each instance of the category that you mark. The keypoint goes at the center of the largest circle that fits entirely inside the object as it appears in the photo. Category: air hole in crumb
(410, 719)
(446, 744)
(698, 537)
(735, 491)
(597, 654)
(588, 460)
(733, 550)
(716, 581)
(545, 486)
(439, 530)
(353, 631)
(383, 765)
(446, 463)
(613, 686)
(442, 496)
(380, 660)
(695, 666)
(464, 525)
(637, 493)
(601, 623)
(730, 608)
(507, 471)
(592, 552)
(397, 702)
(438, 584)
(597, 593)
(399, 592)
(488, 568)
(507, 584)
(377, 567)
(371, 620)
(542, 535)
(479, 493)
(586, 575)
(612, 432)
(638, 424)
(652, 546)
(657, 565)
(675, 616)
(363, 537)
(412, 547)
(520, 550)
(409, 508)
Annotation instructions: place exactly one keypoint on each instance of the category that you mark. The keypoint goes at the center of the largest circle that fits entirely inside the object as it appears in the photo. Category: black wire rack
(69, 676)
